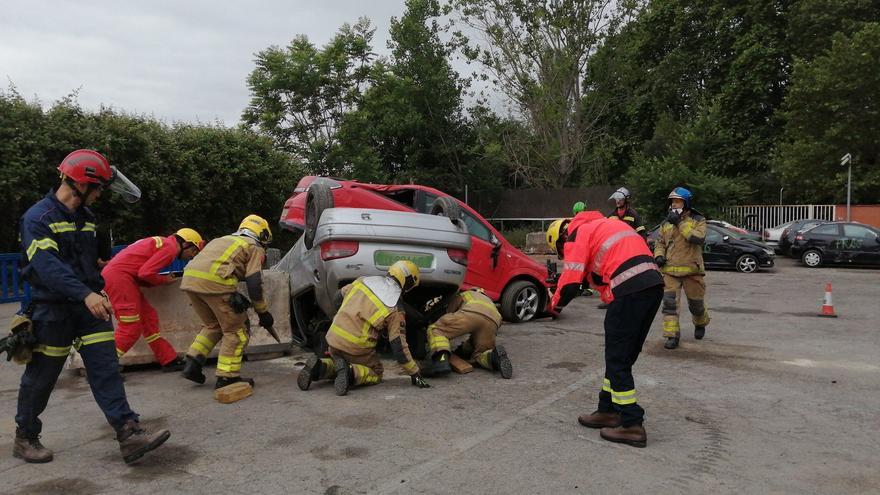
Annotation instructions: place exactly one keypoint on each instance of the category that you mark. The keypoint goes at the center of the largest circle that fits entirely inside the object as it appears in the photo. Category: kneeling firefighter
(613, 258)
(370, 307)
(469, 312)
(679, 254)
(210, 281)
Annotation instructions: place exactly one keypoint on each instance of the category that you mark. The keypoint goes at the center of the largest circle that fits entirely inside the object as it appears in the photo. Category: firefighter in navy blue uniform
(60, 262)
(624, 212)
(613, 259)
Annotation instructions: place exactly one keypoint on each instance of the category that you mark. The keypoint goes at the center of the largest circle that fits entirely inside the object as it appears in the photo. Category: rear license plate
(387, 258)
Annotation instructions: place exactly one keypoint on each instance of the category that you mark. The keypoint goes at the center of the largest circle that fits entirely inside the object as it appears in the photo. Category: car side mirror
(725, 238)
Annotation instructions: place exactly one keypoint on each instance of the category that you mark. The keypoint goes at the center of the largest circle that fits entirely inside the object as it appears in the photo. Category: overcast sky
(184, 60)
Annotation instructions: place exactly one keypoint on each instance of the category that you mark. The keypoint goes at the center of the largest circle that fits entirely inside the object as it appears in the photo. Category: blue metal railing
(14, 289)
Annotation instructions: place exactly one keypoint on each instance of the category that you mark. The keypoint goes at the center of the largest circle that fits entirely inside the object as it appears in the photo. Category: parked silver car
(355, 242)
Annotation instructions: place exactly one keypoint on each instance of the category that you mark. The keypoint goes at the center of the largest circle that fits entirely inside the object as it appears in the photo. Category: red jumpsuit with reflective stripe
(135, 266)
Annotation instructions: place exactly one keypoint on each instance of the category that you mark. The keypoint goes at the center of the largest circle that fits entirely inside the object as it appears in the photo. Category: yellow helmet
(191, 236)
(406, 273)
(554, 231)
(257, 228)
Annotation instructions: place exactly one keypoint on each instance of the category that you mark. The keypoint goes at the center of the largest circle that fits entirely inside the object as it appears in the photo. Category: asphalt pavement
(773, 400)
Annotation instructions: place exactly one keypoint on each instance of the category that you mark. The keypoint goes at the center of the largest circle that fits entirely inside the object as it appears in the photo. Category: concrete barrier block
(536, 243)
(179, 323)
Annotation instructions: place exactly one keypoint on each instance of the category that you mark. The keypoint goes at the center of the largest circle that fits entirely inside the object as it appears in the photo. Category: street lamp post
(847, 160)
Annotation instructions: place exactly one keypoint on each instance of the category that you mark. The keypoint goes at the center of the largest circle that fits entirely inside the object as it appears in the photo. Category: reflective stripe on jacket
(682, 245)
(474, 301)
(143, 259)
(607, 254)
(60, 251)
(224, 262)
(362, 319)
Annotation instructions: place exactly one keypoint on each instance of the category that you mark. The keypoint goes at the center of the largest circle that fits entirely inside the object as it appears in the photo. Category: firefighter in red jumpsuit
(138, 266)
(614, 259)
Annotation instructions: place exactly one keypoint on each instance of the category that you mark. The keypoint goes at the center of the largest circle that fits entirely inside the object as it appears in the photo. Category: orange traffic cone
(828, 306)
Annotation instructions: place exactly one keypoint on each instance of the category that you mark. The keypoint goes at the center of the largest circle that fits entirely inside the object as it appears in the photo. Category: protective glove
(660, 260)
(673, 217)
(418, 381)
(266, 319)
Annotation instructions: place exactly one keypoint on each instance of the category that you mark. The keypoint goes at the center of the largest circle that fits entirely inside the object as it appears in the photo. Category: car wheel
(747, 263)
(447, 207)
(520, 301)
(319, 197)
(812, 258)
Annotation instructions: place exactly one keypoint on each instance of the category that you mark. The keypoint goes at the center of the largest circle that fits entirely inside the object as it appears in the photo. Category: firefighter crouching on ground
(469, 312)
(370, 307)
(678, 252)
(61, 264)
(138, 265)
(611, 257)
(210, 281)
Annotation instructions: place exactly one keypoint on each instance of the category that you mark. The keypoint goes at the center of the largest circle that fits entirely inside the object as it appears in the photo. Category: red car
(509, 277)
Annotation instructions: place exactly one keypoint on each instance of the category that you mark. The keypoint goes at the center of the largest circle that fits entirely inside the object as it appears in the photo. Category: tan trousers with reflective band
(367, 367)
(219, 321)
(695, 290)
(482, 332)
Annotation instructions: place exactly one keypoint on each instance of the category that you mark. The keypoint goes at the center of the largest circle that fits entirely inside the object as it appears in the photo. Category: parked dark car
(725, 249)
(848, 243)
(787, 237)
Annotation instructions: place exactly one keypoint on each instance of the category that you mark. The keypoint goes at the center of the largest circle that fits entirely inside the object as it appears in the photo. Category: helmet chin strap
(79, 194)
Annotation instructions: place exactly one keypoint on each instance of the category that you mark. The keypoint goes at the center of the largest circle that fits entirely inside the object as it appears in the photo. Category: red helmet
(87, 166)
(91, 167)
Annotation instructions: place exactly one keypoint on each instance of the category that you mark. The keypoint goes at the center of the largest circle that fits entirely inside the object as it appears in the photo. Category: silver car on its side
(355, 242)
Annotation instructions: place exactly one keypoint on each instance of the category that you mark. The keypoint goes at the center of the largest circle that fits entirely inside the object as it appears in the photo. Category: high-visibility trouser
(136, 317)
(627, 323)
(219, 321)
(482, 332)
(366, 367)
(58, 328)
(695, 290)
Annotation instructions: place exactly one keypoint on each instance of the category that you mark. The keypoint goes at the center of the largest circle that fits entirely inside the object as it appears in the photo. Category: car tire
(812, 258)
(520, 301)
(318, 198)
(447, 207)
(747, 263)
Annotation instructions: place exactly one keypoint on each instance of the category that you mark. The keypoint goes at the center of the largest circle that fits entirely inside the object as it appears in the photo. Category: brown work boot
(134, 441)
(31, 450)
(631, 435)
(599, 419)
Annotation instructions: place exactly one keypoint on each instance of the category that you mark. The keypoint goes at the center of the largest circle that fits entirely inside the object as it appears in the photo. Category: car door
(827, 238)
(483, 260)
(714, 249)
(860, 244)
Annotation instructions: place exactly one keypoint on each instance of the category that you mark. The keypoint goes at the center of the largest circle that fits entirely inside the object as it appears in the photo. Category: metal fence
(12, 287)
(759, 217)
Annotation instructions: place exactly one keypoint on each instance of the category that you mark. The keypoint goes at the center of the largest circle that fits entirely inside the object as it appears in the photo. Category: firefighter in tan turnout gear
(370, 308)
(679, 254)
(469, 312)
(210, 281)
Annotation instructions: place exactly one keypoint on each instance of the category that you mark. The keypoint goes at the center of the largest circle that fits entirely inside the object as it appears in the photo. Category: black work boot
(501, 362)
(134, 441)
(631, 435)
(344, 376)
(176, 365)
(602, 306)
(671, 342)
(29, 448)
(311, 372)
(440, 364)
(599, 419)
(699, 332)
(223, 381)
(192, 370)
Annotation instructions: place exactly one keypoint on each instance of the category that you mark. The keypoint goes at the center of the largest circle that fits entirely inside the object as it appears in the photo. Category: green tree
(537, 55)
(299, 94)
(833, 108)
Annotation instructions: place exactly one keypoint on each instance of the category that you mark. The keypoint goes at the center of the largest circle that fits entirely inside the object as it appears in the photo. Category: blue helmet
(682, 194)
